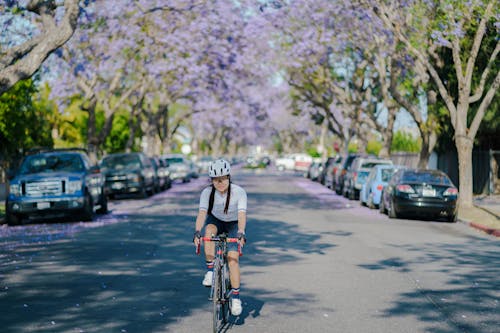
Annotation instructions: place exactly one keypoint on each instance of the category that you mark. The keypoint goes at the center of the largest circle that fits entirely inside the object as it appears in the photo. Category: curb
(488, 211)
(488, 230)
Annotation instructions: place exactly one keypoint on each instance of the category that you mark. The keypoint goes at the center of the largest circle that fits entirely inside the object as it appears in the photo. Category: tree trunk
(92, 138)
(464, 148)
(425, 151)
(423, 157)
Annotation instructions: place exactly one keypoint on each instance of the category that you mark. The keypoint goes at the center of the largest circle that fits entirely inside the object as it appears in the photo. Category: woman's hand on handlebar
(197, 238)
(241, 238)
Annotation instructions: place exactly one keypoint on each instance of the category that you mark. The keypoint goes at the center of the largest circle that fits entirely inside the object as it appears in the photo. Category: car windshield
(52, 163)
(363, 175)
(369, 165)
(426, 177)
(122, 162)
(174, 160)
(386, 174)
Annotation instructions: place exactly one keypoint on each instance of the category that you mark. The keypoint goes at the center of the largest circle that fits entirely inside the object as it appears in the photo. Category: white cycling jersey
(237, 203)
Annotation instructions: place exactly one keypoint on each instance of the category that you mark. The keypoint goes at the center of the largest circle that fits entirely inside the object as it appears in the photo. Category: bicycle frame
(221, 285)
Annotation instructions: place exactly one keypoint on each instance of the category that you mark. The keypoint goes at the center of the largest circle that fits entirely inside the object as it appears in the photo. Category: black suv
(128, 173)
(54, 183)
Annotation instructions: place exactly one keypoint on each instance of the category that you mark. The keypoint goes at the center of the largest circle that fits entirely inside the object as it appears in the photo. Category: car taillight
(380, 187)
(405, 188)
(451, 191)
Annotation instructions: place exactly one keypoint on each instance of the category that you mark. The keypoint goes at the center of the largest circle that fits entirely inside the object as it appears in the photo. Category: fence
(494, 178)
(408, 159)
(484, 168)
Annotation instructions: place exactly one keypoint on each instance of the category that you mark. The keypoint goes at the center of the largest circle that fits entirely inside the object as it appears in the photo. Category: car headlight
(133, 177)
(74, 186)
(15, 189)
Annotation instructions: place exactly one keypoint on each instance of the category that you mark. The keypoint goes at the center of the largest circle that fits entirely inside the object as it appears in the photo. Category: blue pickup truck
(55, 183)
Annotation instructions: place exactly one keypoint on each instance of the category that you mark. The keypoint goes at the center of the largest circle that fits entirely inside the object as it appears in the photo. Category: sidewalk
(484, 216)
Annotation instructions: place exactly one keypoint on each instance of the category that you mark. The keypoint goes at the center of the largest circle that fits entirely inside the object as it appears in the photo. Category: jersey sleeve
(204, 198)
(242, 202)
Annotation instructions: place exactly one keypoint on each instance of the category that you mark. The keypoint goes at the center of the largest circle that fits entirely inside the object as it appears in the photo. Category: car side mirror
(11, 173)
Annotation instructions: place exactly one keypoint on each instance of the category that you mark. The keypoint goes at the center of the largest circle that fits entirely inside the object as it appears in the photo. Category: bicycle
(220, 291)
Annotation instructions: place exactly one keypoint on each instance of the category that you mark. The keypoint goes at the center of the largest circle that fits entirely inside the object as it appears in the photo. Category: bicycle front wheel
(226, 289)
(216, 299)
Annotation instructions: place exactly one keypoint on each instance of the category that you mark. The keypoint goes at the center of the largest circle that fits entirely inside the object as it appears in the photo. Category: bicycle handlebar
(219, 239)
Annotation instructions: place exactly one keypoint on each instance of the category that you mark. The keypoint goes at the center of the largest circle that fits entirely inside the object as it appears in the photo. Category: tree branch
(480, 88)
(478, 38)
(483, 106)
(25, 60)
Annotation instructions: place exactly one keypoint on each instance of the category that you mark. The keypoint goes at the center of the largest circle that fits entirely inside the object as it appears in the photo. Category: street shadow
(139, 274)
(468, 300)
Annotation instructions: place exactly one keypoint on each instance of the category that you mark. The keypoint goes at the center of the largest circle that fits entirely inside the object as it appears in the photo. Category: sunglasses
(220, 179)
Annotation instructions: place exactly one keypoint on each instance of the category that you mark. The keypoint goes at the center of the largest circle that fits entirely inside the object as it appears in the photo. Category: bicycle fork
(217, 273)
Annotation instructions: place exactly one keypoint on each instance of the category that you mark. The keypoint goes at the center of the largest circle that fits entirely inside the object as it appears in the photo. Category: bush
(402, 141)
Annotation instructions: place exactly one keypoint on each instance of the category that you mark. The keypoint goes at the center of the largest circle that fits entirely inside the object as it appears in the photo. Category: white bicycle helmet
(219, 168)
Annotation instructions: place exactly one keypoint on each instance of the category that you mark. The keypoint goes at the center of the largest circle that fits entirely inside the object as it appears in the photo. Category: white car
(302, 162)
(178, 166)
(285, 163)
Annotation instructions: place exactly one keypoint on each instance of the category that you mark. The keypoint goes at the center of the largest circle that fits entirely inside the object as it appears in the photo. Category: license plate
(429, 192)
(117, 186)
(43, 205)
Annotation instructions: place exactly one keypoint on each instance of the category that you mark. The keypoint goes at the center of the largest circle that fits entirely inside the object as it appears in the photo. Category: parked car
(302, 162)
(377, 179)
(55, 183)
(338, 181)
(314, 170)
(193, 169)
(331, 170)
(128, 173)
(357, 173)
(162, 175)
(203, 164)
(286, 162)
(418, 192)
(178, 167)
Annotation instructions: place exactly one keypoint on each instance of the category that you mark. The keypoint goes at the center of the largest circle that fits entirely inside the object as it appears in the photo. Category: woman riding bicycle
(222, 209)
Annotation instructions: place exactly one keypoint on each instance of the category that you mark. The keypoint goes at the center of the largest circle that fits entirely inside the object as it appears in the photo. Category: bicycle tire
(216, 298)
(226, 283)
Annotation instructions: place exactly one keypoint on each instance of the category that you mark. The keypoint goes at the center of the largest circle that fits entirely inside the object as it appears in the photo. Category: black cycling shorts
(230, 228)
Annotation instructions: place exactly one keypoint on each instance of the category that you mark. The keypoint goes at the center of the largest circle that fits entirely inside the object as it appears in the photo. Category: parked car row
(63, 182)
(396, 190)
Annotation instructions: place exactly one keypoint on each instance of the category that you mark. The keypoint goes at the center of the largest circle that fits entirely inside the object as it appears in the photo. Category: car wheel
(13, 219)
(104, 204)
(453, 218)
(351, 194)
(143, 193)
(381, 206)
(88, 209)
(392, 212)
(370, 202)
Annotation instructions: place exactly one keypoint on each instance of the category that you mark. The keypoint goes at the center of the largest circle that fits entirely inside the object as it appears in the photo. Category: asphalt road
(315, 262)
